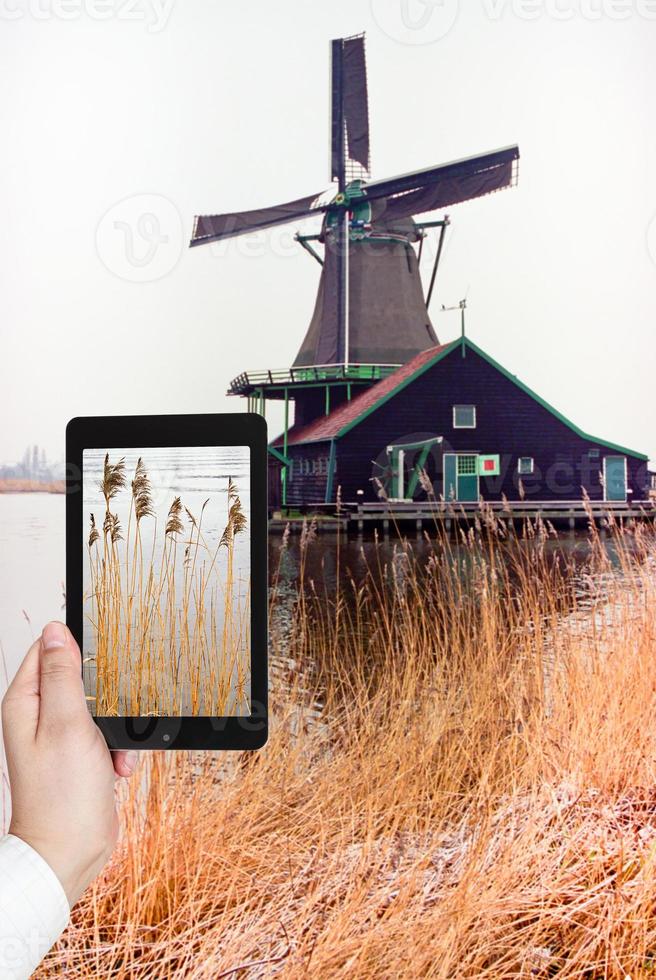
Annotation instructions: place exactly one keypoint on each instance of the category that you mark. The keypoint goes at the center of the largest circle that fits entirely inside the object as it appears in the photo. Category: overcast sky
(121, 121)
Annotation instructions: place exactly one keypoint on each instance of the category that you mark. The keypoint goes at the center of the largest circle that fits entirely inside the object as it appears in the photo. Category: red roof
(329, 426)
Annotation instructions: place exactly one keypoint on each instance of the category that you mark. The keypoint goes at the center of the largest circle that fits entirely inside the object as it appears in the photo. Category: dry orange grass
(16, 485)
(460, 782)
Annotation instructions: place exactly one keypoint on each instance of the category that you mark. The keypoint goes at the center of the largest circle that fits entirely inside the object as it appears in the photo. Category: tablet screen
(166, 581)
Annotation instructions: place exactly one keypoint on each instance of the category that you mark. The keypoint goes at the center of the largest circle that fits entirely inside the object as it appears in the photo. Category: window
(525, 465)
(467, 465)
(464, 416)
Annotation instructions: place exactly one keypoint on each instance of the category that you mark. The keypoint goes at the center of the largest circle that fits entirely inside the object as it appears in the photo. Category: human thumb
(61, 690)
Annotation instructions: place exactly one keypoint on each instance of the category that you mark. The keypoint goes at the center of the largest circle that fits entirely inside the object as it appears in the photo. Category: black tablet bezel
(128, 431)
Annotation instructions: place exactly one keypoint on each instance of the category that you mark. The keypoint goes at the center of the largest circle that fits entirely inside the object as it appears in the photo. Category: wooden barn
(373, 404)
(455, 418)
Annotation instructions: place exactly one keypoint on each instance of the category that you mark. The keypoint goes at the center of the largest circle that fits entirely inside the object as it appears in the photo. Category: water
(329, 558)
(32, 546)
(33, 550)
(195, 474)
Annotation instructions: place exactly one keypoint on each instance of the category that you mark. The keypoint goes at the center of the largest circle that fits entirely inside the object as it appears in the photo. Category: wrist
(72, 870)
(34, 910)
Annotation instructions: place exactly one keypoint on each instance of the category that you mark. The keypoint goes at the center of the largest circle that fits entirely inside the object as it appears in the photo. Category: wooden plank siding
(274, 489)
(509, 423)
(308, 474)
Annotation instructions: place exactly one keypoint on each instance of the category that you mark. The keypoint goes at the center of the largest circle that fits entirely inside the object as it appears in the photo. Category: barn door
(461, 477)
(615, 477)
(467, 466)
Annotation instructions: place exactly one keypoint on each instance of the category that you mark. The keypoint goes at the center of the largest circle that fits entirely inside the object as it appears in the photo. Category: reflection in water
(32, 544)
(334, 574)
(329, 561)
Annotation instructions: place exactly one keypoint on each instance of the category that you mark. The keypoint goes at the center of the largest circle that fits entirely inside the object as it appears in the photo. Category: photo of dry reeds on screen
(167, 581)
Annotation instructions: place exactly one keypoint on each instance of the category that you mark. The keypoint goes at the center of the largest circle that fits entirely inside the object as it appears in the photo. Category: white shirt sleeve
(34, 910)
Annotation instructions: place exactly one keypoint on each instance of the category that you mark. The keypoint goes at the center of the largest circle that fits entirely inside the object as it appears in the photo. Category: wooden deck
(404, 514)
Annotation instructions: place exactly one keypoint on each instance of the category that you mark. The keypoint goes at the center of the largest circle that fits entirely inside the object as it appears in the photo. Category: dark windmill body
(374, 394)
(371, 315)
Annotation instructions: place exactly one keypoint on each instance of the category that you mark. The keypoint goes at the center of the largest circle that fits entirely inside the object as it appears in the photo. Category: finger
(20, 705)
(62, 702)
(125, 762)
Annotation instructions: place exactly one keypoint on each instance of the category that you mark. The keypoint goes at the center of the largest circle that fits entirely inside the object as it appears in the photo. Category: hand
(61, 772)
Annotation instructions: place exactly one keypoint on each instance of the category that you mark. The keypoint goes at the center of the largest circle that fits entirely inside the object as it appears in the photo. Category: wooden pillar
(284, 450)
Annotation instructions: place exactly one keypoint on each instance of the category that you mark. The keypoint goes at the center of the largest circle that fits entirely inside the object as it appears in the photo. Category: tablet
(166, 577)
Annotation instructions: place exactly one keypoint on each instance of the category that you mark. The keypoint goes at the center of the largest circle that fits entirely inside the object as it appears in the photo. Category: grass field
(460, 782)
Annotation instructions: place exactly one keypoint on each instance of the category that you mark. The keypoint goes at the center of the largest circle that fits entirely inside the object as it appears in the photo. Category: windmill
(371, 314)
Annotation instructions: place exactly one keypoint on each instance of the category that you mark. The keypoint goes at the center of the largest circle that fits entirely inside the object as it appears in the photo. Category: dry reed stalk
(459, 783)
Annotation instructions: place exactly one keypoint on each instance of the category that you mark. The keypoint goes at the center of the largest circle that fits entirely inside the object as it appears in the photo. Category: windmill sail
(349, 120)
(356, 104)
(440, 187)
(211, 228)
(397, 197)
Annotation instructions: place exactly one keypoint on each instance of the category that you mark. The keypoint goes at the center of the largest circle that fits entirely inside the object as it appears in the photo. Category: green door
(467, 477)
(461, 477)
(615, 477)
(450, 482)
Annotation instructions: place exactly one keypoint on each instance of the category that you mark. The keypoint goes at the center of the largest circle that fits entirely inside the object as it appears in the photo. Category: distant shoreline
(31, 486)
